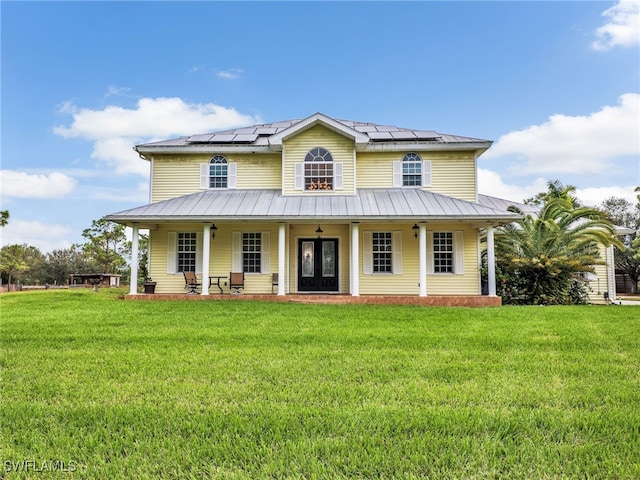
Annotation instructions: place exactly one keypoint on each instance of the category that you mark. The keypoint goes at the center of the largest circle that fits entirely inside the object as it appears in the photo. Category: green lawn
(112, 389)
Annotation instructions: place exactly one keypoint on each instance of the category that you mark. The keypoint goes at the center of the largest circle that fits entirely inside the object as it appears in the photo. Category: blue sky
(555, 85)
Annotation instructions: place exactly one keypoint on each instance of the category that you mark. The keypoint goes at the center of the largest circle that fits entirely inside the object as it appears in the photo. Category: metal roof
(386, 204)
(503, 204)
(260, 135)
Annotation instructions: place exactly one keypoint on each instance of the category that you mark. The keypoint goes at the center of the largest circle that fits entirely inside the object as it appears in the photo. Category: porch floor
(431, 300)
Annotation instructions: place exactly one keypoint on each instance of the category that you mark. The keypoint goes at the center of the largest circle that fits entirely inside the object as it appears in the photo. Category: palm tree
(546, 252)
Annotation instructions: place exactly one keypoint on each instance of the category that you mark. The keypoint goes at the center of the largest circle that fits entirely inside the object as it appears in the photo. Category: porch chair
(191, 282)
(236, 282)
(274, 283)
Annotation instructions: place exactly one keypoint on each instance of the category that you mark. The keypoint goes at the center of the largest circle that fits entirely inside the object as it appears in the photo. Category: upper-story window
(318, 169)
(412, 171)
(218, 171)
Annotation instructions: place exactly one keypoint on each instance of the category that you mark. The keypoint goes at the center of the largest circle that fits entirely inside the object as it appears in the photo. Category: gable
(342, 150)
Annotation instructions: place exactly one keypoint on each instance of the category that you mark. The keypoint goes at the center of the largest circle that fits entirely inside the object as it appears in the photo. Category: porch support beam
(135, 242)
(491, 262)
(282, 257)
(206, 247)
(422, 239)
(354, 274)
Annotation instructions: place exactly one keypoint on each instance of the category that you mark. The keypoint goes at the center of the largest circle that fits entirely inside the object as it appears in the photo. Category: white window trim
(232, 176)
(396, 254)
(172, 252)
(398, 176)
(265, 253)
(458, 253)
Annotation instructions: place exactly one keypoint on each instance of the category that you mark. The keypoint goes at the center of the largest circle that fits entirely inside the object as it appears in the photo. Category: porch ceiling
(391, 204)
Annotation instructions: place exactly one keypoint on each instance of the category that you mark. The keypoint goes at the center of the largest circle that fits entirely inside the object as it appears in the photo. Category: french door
(318, 265)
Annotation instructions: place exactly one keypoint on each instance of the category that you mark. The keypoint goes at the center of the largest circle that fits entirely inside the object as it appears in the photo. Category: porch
(427, 301)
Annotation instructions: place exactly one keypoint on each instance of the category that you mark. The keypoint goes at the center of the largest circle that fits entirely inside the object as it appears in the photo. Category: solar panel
(366, 128)
(427, 135)
(201, 138)
(380, 136)
(222, 138)
(403, 135)
(266, 130)
(245, 138)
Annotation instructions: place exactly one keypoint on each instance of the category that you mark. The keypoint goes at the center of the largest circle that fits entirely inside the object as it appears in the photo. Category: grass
(246, 390)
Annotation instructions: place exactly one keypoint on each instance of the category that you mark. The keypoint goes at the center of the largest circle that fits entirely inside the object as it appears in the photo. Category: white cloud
(490, 183)
(230, 74)
(596, 195)
(115, 130)
(24, 185)
(580, 144)
(45, 236)
(622, 28)
(113, 91)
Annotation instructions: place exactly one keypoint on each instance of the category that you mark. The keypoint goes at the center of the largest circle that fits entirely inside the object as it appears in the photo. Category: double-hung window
(382, 249)
(186, 252)
(412, 171)
(382, 252)
(443, 252)
(251, 252)
(218, 171)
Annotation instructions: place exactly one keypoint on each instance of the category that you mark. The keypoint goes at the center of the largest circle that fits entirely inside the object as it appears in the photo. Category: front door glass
(308, 259)
(328, 258)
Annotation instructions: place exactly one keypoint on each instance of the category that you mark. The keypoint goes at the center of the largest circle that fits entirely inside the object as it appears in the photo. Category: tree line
(106, 250)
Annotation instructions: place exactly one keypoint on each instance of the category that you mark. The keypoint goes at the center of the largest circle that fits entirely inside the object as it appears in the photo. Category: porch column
(355, 264)
(282, 257)
(422, 240)
(133, 282)
(491, 262)
(206, 247)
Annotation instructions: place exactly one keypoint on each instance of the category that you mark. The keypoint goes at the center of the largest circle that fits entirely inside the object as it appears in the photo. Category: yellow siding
(453, 284)
(177, 176)
(220, 257)
(407, 283)
(295, 149)
(452, 173)
(599, 286)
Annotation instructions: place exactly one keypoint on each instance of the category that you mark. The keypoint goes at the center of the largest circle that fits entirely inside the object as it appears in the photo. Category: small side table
(217, 282)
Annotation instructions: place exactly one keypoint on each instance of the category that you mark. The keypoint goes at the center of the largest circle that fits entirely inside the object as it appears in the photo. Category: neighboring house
(332, 206)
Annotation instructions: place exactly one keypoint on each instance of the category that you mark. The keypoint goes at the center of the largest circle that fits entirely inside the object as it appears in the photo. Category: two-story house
(331, 206)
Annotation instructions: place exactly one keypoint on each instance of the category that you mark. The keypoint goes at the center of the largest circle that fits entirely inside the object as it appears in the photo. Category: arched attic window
(318, 169)
(318, 172)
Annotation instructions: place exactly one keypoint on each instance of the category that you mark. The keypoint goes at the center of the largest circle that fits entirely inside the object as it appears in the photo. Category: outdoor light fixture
(319, 232)
(415, 229)
(213, 230)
